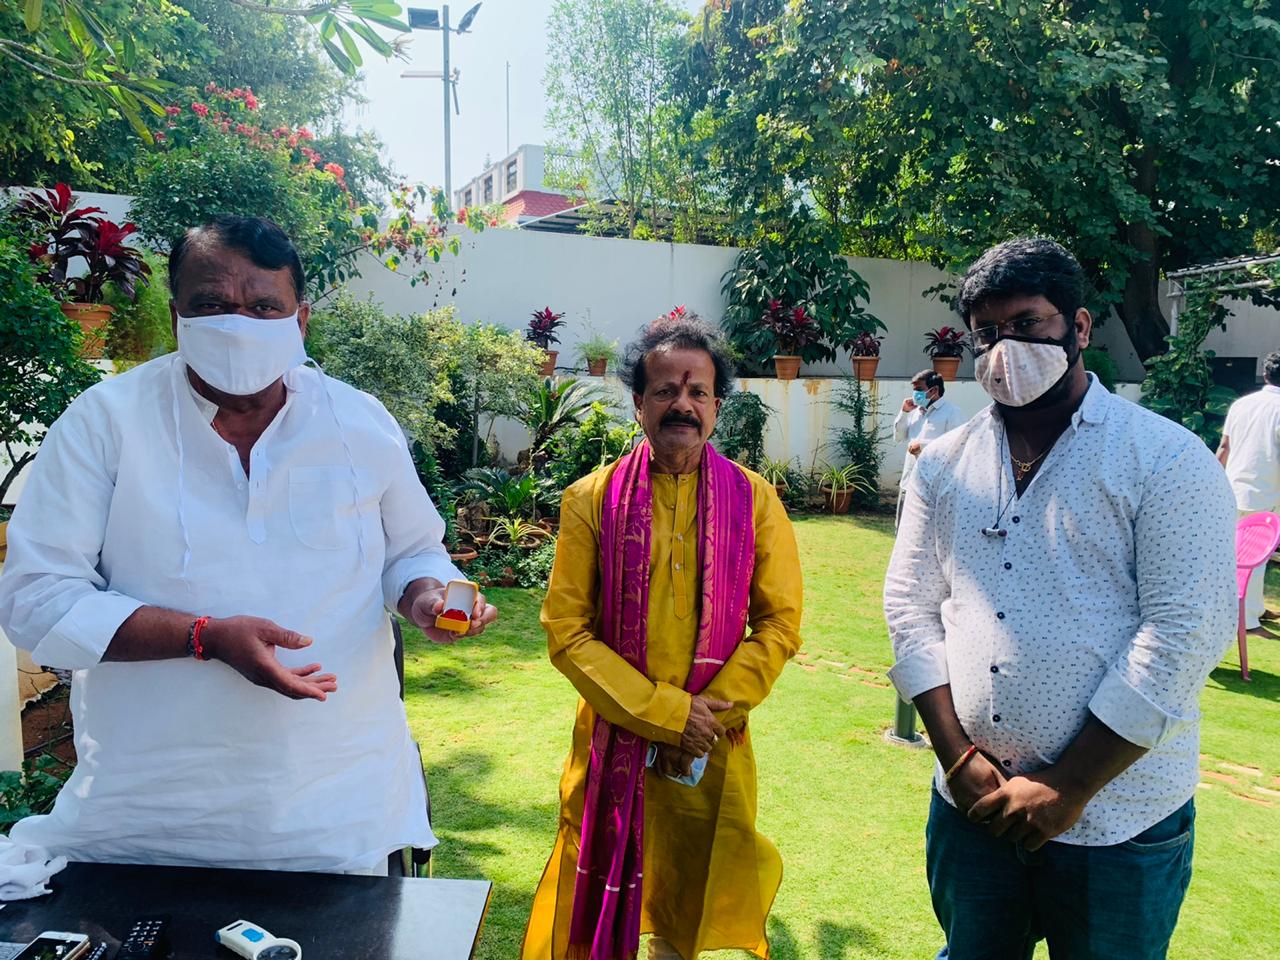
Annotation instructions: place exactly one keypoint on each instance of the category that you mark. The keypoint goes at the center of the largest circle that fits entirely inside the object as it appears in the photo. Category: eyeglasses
(1019, 327)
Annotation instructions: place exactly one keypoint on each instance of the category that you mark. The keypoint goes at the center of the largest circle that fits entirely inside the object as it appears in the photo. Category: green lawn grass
(845, 808)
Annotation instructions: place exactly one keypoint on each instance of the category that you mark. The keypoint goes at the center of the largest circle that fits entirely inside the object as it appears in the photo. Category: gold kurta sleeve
(777, 592)
(570, 615)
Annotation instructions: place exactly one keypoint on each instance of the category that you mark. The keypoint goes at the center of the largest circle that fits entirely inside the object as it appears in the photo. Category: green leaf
(391, 23)
(340, 59)
(375, 42)
(349, 44)
(32, 13)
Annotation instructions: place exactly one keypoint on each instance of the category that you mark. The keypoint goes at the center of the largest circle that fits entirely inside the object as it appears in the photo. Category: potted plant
(542, 332)
(63, 235)
(793, 329)
(864, 350)
(776, 472)
(597, 353)
(945, 346)
(838, 485)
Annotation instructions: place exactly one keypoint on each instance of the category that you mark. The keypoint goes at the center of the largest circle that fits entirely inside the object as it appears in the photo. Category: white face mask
(1017, 372)
(240, 355)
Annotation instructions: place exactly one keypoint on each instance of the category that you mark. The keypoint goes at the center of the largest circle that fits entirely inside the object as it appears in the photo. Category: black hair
(1027, 266)
(264, 243)
(1271, 368)
(685, 332)
(932, 378)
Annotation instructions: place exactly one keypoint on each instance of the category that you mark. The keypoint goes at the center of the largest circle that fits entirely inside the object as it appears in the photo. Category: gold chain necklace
(1023, 467)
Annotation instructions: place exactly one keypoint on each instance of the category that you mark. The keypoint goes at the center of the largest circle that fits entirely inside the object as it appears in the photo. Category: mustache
(679, 419)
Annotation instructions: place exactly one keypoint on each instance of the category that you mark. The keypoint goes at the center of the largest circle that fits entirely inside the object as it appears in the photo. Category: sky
(407, 113)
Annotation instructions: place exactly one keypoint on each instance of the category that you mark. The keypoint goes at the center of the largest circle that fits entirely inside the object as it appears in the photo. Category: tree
(1143, 136)
(606, 85)
(82, 80)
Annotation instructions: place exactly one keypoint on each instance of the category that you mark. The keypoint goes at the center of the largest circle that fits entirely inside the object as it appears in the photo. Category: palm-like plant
(555, 406)
(516, 532)
(510, 495)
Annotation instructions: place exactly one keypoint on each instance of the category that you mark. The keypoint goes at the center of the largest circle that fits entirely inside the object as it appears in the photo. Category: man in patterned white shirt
(1061, 586)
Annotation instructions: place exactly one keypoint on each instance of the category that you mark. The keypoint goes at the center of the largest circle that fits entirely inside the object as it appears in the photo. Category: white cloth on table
(134, 499)
(25, 870)
(1113, 593)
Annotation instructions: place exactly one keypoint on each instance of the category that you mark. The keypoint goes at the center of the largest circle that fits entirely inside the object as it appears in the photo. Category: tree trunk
(1140, 306)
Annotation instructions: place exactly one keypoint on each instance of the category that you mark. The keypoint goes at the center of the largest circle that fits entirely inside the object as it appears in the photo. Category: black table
(332, 917)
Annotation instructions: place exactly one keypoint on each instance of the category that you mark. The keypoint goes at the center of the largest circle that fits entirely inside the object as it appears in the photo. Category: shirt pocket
(322, 506)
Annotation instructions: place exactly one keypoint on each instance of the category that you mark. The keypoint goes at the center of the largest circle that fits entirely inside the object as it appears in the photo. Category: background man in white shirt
(1250, 450)
(1061, 585)
(227, 504)
(925, 416)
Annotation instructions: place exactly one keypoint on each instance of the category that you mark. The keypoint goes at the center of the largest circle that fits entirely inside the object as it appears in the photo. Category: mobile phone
(55, 945)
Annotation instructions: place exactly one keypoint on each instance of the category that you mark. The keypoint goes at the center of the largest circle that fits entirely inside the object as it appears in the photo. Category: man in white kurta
(139, 512)
(1250, 451)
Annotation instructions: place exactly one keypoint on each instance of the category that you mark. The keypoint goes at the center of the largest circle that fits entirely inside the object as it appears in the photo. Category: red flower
(37, 251)
(250, 101)
(279, 132)
(160, 137)
(237, 93)
(306, 134)
(199, 109)
(172, 111)
(335, 169)
(293, 140)
(211, 87)
(243, 129)
(493, 221)
(462, 215)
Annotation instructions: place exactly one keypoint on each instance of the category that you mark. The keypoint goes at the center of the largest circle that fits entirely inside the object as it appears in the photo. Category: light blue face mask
(920, 398)
(697, 769)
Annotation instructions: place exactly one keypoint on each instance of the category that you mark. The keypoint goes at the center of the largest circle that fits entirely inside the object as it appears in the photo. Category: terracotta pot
(787, 367)
(596, 368)
(780, 489)
(549, 363)
(463, 557)
(837, 502)
(946, 366)
(864, 368)
(93, 319)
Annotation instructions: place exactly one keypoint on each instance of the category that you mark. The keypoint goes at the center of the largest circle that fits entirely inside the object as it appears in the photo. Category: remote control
(147, 940)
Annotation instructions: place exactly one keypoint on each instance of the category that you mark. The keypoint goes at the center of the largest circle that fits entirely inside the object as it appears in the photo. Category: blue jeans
(995, 900)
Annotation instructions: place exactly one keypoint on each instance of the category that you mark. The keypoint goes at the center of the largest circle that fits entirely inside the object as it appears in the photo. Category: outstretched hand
(247, 645)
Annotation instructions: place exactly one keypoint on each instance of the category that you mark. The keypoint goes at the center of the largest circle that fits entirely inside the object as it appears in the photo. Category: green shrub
(41, 370)
(143, 328)
(31, 791)
(185, 186)
(514, 566)
(601, 438)
(739, 433)
(1099, 362)
(435, 374)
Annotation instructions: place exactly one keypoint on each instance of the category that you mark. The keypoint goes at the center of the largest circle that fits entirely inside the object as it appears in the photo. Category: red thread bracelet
(955, 767)
(197, 648)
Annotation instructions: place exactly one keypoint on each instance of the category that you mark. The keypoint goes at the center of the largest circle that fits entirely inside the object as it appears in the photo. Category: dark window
(488, 189)
(466, 198)
(512, 167)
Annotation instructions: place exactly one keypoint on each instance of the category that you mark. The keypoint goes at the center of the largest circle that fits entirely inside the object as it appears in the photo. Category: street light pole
(448, 153)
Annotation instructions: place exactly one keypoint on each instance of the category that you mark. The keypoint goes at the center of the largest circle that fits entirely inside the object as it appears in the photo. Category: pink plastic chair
(1257, 537)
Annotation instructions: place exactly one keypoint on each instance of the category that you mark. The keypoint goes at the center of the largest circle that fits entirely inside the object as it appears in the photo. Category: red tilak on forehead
(685, 379)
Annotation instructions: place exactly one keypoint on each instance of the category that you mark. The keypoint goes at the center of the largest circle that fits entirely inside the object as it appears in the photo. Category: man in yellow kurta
(719, 567)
